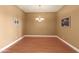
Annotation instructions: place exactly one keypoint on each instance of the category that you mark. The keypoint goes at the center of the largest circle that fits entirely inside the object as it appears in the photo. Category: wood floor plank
(39, 45)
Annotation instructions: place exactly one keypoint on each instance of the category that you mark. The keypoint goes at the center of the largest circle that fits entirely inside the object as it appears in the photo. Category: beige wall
(70, 34)
(9, 31)
(47, 27)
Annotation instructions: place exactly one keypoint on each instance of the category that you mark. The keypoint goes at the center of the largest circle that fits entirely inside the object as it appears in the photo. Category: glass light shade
(39, 19)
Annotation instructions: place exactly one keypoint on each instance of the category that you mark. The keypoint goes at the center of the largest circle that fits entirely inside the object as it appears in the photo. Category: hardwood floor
(39, 45)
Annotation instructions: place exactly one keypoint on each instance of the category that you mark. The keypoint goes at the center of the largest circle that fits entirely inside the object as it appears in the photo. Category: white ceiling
(40, 8)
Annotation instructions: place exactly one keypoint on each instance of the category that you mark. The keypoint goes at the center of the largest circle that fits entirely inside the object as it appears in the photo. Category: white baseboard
(73, 47)
(76, 49)
(40, 35)
(11, 44)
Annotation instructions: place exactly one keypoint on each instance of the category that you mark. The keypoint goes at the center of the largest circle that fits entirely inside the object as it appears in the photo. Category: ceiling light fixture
(39, 19)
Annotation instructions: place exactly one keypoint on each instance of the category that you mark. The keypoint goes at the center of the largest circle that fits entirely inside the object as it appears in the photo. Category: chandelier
(39, 19)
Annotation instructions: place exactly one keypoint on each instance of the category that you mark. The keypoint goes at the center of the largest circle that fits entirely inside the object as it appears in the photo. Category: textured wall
(9, 31)
(46, 27)
(70, 34)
